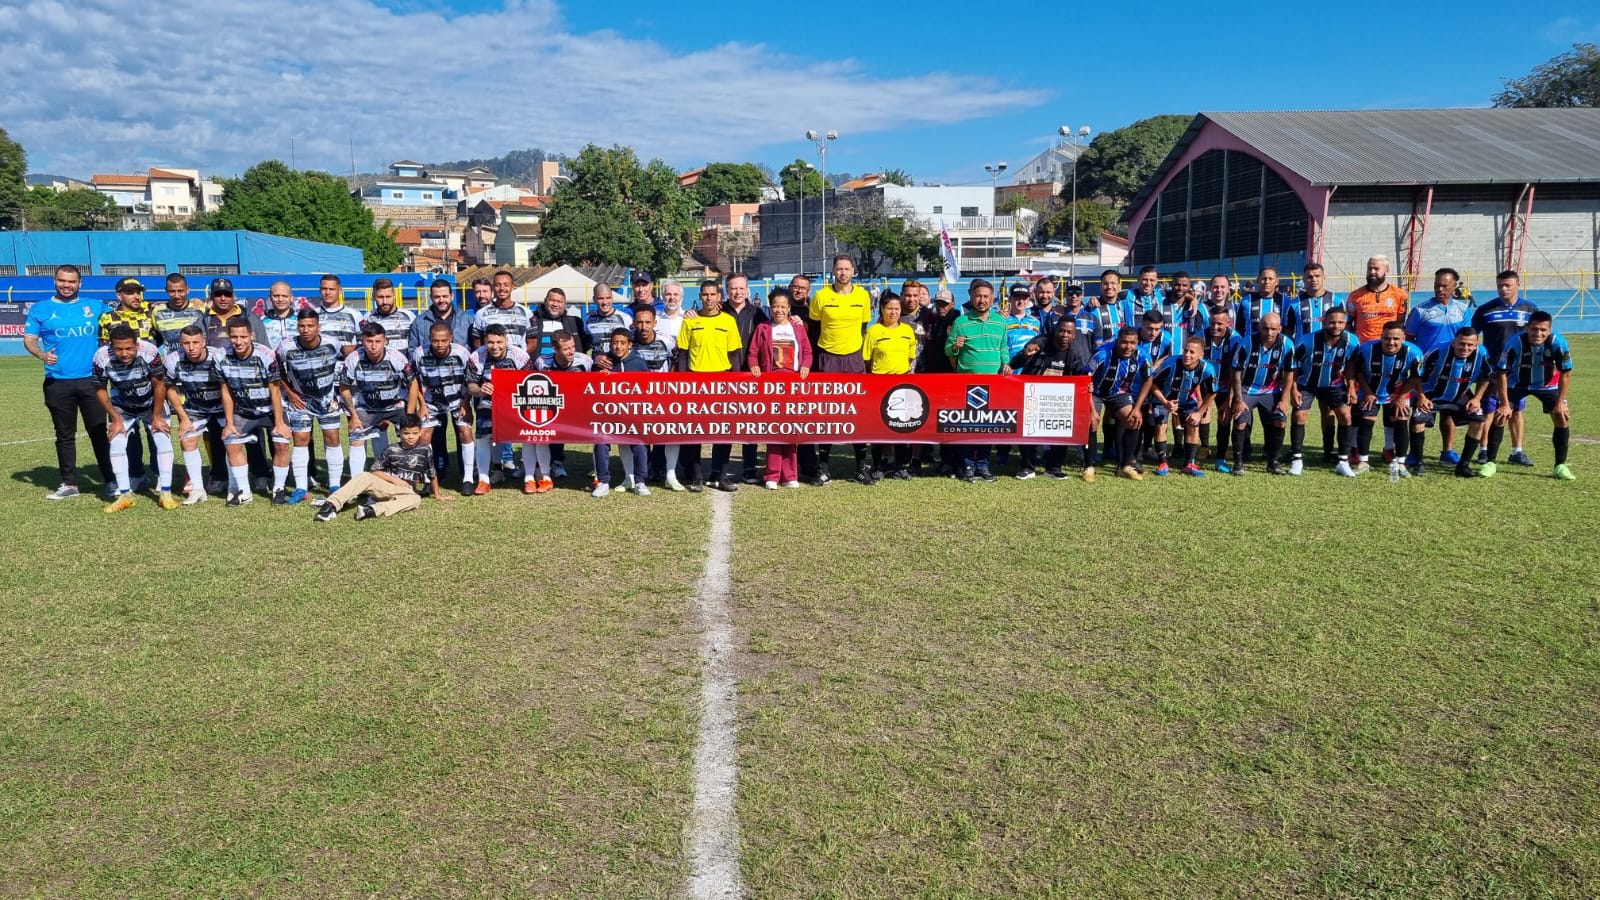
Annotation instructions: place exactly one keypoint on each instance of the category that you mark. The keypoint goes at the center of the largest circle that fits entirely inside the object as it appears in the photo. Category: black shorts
(1546, 398)
(1458, 415)
(1387, 410)
(1116, 401)
(843, 363)
(1331, 398)
(1267, 403)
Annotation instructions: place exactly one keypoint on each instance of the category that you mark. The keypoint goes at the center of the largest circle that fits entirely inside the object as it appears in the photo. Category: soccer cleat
(1057, 474)
(1483, 455)
(123, 501)
(1450, 458)
(1162, 469)
(771, 485)
(1363, 467)
(673, 484)
(1344, 469)
(1519, 458)
(195, 496)
(1088, 474)
(640, 489)
(1237, 469)
(1564, 473)
(240, 498)
(696, 486)
(545, 486)
(298, 495)
(1465, 471)
(168, 501)
(1223, 467)
(864, 477)
(1025, 474)
(280, 497)
(468, 488)
(1130, 473)
(1297, 466)
(64, 492)
(1194, 471)
(530, 485)
(365, 511)
(325, 513)
(558, 469)
(1274, 468)
(482, 487)
(601, 489)
(1487, 470)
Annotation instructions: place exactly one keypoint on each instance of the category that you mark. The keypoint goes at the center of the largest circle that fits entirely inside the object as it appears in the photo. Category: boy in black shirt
(394, 479)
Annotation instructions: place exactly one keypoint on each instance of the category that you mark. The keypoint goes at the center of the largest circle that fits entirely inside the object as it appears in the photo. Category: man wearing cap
(221, 311)
(644, 292)
(63, 332)
(1022, 325)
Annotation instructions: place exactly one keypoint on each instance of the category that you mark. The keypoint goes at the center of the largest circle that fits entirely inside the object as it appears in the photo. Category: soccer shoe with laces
(1343, 469)
(1275, 468)
(1163, 469)
(240, 498)
(727, 484)
(545, 486)
(1130, 473)
(1223, 467)
(1519, 458)
(64, 492)
(123, 501)
(1297, 466)
(673, 484)
(984, 474)
(481, 488)
(298, 495)
(195, 496)
(530, 485)
(1025, 474)
(864, 478)
(1564, 473)
(280, 497)
(1194, 471)
(168, 501)
(1487, 470)
(1450, 458)
(1465, 471)
(1088, 475)
(325, 513)
(640, 489)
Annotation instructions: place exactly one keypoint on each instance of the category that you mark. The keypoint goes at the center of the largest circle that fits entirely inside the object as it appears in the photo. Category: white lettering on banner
(1047, 409)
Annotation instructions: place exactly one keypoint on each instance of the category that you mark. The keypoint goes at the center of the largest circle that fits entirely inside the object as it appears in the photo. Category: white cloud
(220, 85)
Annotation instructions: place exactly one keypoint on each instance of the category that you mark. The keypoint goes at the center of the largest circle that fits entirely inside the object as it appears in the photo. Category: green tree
(898, 176)
(271, 198)
(13, 180)
(728, 183)
(1119, 162)
(79, 209)
(1571, 79)
(1094, 217)
(883, 236)
(616, 211)
(800, 179)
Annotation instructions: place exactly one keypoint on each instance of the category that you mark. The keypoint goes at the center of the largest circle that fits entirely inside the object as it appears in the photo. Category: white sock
(672, 459)
(627, 462)
(300, 461)
(163, 459)
(358, 458)
(194, 468)
(485, 447)
(468, 454)
(239, 479)
(1516, 449)
(119, 461)
(280, 477)
(335, 454)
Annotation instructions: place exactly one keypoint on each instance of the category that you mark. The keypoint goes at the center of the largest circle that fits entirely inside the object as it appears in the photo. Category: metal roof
(1411, 146)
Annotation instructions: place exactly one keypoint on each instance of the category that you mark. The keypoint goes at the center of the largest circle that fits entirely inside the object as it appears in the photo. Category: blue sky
(939, 91)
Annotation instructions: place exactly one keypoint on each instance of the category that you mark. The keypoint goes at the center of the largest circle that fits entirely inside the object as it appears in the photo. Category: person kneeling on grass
(393, 482)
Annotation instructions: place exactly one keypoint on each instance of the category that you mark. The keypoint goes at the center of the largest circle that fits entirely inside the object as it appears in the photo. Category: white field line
(713, 825)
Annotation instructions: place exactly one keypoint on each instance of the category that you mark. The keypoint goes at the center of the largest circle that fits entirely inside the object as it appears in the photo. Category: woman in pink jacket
(781, 345)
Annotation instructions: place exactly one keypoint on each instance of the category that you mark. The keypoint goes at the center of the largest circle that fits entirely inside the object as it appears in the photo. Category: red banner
(695, 408)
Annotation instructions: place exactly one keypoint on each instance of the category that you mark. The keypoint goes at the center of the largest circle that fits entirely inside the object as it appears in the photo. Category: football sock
(1497, 433)
(358, 458)
(1419, 444)
(194, 468)
(1297, 440)
(1272, 443)
(1130, 445)
(1560, 437)
(1328, 430)
(163, 442)
(300, 462)
(486, 458)
(280, 477)
(239, 476)
(119, 461)
(1364, 437)
(1402, 441)
(335, 465)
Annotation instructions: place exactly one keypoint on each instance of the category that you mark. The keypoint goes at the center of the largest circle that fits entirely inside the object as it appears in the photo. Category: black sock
(1328, 436)
(1347, 439)
(1419, 443)
(1108, 449)
(1241, 440)
(1272, 442)
(1402, 441)
(1161, 451)
(1205, 435)
(1364, 436)
(1497, 433)
(1470, 448)
(1560, 437)
(1297, 440)
(1130, 445)
(1190, 452)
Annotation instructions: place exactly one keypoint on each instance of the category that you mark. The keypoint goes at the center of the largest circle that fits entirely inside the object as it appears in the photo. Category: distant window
(8, 270)
(937, 210)
(208, 269)
(133, 270)
(397, 195)
(968, 212)
(427, 195)
(168, 190)
(50, 269)
(183, 210)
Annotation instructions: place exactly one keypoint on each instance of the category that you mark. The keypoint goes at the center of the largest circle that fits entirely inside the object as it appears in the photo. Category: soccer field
(1177, 687)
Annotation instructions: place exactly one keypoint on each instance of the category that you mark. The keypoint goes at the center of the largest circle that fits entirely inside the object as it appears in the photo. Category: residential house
(174, 194)
(730, 236)
(407, 185)
(132, 195)
(518, 235)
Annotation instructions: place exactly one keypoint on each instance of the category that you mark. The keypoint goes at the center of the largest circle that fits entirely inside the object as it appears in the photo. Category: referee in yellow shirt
(890, 348)
(709, 342)
(842, 311)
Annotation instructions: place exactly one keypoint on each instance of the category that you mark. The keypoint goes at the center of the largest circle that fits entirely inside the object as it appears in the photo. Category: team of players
(1158, 361)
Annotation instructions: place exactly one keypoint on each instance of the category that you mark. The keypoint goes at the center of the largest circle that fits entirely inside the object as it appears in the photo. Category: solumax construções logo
(976, 417)
(537, 400)
(905, 408)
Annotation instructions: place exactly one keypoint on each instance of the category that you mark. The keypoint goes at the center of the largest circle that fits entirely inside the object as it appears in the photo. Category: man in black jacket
(1064, 352)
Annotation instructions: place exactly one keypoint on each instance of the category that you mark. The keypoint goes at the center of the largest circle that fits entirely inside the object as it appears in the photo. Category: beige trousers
(388, 498)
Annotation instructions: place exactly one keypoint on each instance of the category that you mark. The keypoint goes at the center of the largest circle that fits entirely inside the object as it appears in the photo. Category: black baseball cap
(641, 278)
(129, 286)
(1020, 290)
(220, 286)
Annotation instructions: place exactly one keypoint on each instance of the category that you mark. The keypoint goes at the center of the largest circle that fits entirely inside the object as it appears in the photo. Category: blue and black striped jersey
(1535, 367)
(1252, 308)
(1497, 323)
(1226, 355)
(1320, 361)
(1302, 316)
(1448, 379)
(1186, 386)
(312, 372)
(1153, 352)
(1133, 304)
(1386, 372)
(1113, 376)
(1265, 367)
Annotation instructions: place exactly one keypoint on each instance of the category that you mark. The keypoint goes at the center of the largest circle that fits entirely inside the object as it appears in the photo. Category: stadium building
(1479, 190)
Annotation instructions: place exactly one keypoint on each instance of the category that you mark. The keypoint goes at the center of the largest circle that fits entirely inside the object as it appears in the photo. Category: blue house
(408, 184)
